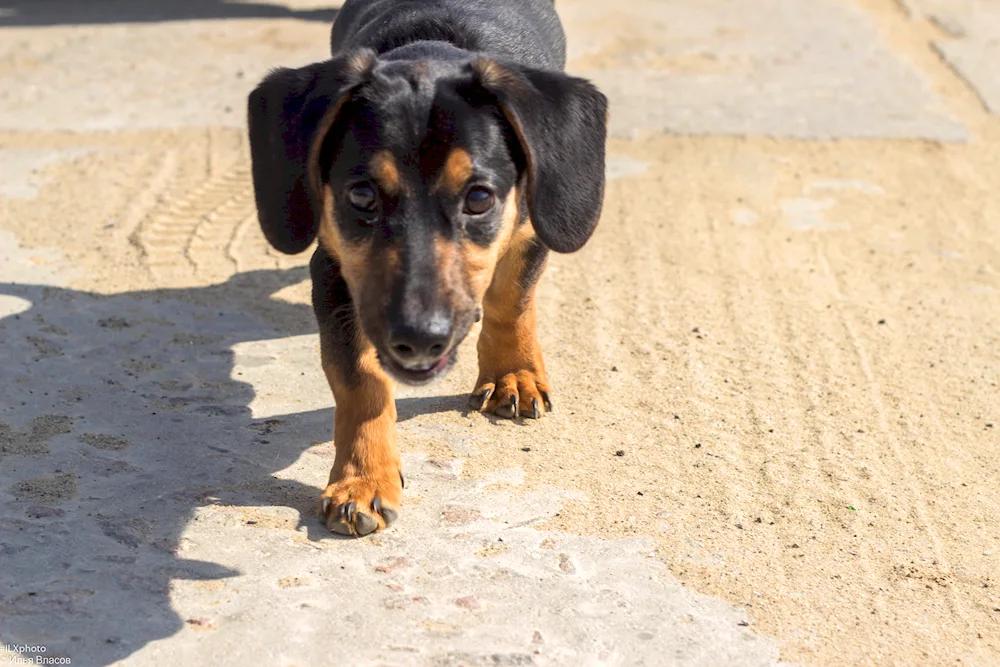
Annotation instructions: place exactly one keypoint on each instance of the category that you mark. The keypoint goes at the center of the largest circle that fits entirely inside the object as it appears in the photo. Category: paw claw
(547, 400)
(508, 410)
(480, 401)
(535, 413)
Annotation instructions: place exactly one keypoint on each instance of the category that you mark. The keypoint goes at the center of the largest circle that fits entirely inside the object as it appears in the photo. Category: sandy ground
(776, 364)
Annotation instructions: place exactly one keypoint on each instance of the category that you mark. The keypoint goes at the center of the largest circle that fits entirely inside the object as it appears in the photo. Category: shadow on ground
(75, 12)
(120, 416)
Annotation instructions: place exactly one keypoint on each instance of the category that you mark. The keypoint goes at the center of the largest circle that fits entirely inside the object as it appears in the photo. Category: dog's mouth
(420, 373)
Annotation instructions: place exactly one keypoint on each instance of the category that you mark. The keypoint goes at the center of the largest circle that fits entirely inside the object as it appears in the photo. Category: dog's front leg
(366, 483)
(512, 378)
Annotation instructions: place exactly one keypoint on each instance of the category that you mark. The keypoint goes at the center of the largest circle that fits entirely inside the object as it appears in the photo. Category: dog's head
(416, 174)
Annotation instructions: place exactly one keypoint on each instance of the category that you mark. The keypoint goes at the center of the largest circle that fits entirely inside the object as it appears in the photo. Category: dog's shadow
(120, 416)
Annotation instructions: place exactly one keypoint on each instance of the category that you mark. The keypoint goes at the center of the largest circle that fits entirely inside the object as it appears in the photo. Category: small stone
(881, 321)
(614, 369)
(525, 449)
(394, 564)
(468, 602)
(620, 452)
(566, 564)
(697, 446)
(743, 624)
(201, 623)
(740, 526)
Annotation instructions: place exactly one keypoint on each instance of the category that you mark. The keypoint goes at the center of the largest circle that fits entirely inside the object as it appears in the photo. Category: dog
(438, 157)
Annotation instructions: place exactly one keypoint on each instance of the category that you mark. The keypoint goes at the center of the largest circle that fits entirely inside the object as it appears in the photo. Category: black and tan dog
(438, 156)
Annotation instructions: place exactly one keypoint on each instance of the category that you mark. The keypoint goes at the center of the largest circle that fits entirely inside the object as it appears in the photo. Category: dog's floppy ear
(289, 115)
(561, 126)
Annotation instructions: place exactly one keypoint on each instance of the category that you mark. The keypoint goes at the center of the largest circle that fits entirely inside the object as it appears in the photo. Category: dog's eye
(479, 200)
(362, 197)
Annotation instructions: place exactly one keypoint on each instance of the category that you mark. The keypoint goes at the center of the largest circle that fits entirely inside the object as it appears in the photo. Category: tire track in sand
(192, 236)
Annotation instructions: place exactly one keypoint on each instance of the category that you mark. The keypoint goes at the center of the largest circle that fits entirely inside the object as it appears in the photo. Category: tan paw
(511, 394)
(360, 505)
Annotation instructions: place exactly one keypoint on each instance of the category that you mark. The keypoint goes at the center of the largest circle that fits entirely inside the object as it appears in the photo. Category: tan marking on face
(456, 172)
(384, 169)
(368, 271)
(353, 257)
(480, 262)
(465, 270)
(313, 176)
(449, 271)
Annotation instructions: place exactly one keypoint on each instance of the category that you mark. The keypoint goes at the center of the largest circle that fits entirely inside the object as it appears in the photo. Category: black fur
(522, 31)
(561, 123)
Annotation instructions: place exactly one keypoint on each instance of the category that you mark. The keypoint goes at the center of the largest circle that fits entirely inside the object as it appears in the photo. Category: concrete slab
(973, 50)
(782, 68)
(112, 65)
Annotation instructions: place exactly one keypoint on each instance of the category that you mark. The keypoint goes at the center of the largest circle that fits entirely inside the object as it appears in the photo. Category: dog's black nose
(422, 342)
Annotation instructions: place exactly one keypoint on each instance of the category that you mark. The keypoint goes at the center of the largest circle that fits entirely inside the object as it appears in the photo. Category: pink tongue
(436, 366)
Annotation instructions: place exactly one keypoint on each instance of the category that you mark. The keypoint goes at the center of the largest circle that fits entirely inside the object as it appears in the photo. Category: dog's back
(523, 31)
